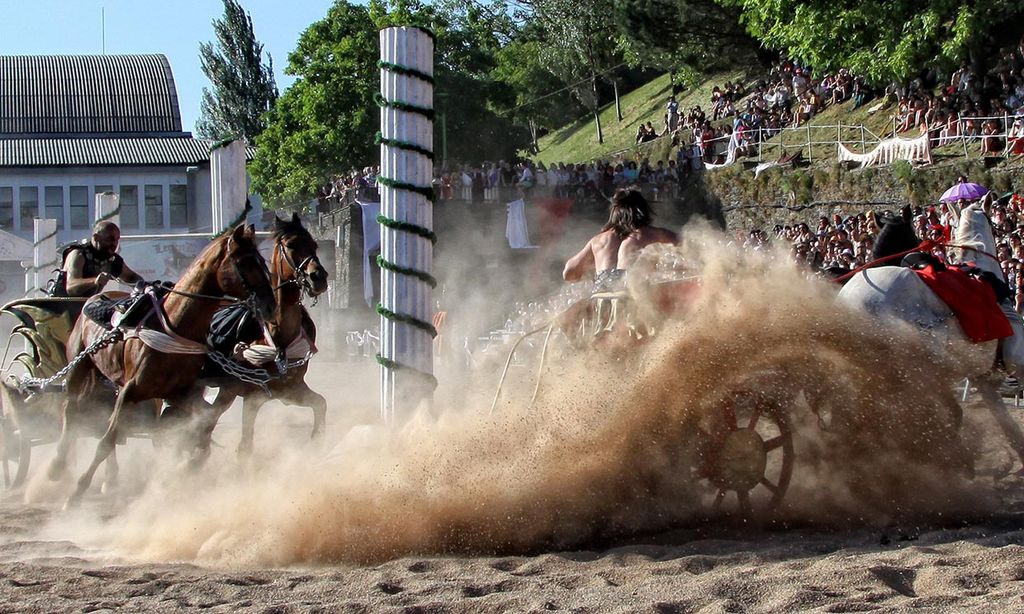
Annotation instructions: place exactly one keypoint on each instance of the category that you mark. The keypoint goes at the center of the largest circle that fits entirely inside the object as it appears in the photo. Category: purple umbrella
(964, 191)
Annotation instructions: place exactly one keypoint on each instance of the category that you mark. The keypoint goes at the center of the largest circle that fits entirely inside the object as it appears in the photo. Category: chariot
(38, 339)
(742, 455)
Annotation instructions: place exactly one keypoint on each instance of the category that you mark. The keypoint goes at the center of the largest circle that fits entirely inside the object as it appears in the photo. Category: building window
(28, 206)
(179, 206)
(129, 206)
(154, 206)
(6, 208)
(54, 195)
(79, 206)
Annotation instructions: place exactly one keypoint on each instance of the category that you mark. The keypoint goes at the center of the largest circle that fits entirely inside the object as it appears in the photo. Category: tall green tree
(324, 122)
(580, 46)
(883, 39)
(243, 86)
(537, 95)
(675, 34)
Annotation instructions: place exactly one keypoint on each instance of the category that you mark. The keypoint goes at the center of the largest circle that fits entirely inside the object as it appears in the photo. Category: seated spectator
(641, 134)
(651, 133)
(1015, 138)
(991, 142)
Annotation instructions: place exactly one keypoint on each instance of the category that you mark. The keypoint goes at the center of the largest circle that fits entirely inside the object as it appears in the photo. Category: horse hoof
(55, 471)
(108, 487)
(72, 502)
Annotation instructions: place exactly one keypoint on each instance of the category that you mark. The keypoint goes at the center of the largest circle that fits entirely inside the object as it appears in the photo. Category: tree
(580, 47)
(882, 39)
(534, 89)
(324, 123)
(675, 34)
(243, 86)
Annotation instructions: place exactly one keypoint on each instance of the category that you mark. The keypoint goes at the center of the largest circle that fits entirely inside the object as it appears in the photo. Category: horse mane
(206, 260)
(896, 235)
(285, 227)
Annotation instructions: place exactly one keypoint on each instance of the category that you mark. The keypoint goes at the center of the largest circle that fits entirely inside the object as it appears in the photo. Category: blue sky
(171, 27)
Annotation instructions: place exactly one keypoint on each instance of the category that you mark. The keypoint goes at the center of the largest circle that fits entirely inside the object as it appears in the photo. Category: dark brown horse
(295, 270)
(230, 266)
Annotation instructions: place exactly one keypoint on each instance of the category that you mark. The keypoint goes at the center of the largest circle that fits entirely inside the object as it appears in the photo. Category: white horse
(891, 292)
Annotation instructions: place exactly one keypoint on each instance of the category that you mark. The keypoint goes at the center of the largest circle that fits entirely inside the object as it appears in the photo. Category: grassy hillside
(577, 142)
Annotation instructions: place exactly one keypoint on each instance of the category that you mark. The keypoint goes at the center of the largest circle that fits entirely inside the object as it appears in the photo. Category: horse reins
(925, 246)
(299, 275)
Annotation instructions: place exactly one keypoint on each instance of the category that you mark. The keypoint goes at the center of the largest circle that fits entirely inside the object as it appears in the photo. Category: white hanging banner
(371, 243)
(891, 150)
(515, 227)
(730, 155)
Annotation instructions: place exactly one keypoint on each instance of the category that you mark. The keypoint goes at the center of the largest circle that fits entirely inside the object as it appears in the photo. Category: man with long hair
(629, 229)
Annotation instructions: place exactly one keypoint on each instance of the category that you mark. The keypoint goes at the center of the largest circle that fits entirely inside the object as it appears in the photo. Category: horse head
(242, 272)
(298, 251)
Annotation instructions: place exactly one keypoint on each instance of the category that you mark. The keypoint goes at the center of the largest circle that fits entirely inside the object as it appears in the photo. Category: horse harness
(299, 275)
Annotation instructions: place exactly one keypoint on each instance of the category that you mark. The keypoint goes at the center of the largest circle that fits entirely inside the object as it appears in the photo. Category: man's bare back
(629, 230)
(608, 250)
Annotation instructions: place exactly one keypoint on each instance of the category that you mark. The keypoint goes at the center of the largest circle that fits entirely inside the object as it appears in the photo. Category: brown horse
(231, 266)
(295, 270)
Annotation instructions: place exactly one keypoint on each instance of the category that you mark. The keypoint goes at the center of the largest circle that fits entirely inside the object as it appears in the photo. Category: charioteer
(610, 315)
(89, 265)
(610, 252)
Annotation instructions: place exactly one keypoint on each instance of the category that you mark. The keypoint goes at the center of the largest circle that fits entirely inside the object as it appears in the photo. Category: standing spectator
(672, 114)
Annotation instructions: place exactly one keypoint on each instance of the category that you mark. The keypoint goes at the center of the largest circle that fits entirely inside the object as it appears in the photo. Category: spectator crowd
(839, 243)
(965, 106)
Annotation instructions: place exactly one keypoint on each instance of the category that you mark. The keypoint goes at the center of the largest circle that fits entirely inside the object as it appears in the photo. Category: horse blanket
(972, 300)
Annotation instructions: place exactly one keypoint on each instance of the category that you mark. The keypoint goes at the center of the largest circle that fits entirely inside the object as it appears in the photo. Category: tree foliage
(882, 39)
(324, 123)
(243, 86)
(678, 34)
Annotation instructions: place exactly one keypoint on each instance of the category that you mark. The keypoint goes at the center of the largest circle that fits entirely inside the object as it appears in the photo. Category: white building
(74, 126)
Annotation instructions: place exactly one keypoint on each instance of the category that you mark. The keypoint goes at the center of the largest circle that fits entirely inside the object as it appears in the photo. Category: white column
(405, 388)
(228, 183)
(108, 207)
(44, 251)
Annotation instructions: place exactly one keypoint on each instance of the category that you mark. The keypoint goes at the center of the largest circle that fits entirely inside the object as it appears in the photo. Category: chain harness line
(167, 342)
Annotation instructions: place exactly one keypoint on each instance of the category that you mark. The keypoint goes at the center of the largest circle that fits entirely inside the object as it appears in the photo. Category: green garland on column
(426, 192)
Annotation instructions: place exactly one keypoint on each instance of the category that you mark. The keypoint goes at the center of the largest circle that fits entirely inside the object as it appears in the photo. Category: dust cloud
(612, 447)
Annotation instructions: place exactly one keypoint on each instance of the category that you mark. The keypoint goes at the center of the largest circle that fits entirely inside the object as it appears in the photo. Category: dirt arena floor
(588, 500)
(55, 561)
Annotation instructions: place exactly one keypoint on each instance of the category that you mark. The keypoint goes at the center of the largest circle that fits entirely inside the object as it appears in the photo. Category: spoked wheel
(746, 451)
(15, 454)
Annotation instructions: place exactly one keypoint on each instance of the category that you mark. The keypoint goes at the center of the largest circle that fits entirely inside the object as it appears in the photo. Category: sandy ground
(977, 567)
(943, 565)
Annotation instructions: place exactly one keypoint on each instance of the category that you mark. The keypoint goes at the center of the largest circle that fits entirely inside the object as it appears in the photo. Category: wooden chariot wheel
(15, 454)
(746, 452)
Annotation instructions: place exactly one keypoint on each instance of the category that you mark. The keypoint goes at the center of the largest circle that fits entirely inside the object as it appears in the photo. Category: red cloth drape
(971, 299)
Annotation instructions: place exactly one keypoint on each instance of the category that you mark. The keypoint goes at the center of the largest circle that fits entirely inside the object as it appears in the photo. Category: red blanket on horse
(971, 299)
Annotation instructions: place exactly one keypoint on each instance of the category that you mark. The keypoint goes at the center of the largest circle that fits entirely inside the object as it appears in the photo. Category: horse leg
(60, 462)
(315, 401)
(995, 405)
(251, 404)
(111, 469)
(106, 445)
(204, 422)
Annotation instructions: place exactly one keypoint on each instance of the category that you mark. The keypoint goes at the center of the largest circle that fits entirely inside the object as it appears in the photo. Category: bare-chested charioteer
(615, 248)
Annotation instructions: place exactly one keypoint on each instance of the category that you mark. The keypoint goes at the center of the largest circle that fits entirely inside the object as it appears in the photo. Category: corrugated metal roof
(104, 152)
(78, 94)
